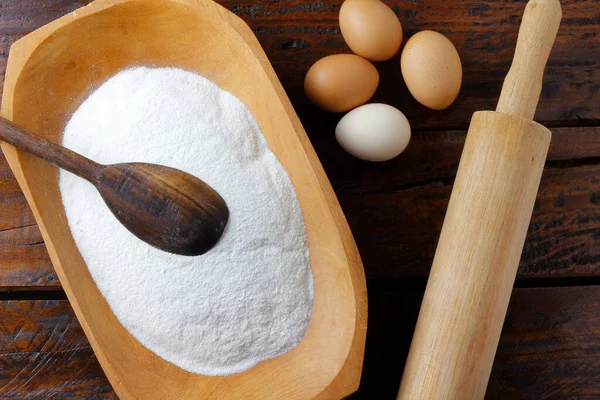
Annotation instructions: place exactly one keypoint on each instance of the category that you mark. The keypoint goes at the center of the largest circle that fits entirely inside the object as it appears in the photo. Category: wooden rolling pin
(484, 231)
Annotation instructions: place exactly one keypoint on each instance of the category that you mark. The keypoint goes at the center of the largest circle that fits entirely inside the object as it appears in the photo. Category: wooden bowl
(52, 70)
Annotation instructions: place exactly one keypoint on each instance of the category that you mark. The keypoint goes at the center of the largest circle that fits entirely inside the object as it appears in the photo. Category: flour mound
(250, 297)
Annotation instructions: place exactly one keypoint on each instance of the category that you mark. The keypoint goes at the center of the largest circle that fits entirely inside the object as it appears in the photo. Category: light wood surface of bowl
(52, 71)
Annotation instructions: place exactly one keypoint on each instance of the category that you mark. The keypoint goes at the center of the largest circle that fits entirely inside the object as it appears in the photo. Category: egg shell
(371, 29)
(432, 69)
(373, 132)
(341, 82)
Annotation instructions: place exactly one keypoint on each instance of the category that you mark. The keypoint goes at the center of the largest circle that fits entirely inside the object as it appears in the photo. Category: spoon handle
(48, 151)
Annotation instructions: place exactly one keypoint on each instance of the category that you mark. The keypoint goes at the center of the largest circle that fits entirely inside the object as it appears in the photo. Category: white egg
(373, 132)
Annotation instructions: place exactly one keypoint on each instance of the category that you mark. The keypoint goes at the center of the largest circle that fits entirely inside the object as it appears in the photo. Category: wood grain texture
(476, 259)
(195, 35)
(395, 209)
(165, 207)
(553, 352)
(24, 262)
(296, 34)
(484, 230)
(45, 355)
(523, 84)
(552, 331)
(549, 348)
(397, 231)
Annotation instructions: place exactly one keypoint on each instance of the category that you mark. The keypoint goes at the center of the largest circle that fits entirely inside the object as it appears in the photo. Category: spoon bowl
(167, 208)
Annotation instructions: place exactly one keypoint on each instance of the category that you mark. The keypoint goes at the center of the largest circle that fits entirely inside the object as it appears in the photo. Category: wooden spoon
(165, 207)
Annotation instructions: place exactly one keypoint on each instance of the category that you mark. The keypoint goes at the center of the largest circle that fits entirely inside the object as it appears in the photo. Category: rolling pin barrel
(476, 260)
(484, 230)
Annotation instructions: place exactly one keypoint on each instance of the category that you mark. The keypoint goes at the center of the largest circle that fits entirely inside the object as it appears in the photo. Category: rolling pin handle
(523, 84)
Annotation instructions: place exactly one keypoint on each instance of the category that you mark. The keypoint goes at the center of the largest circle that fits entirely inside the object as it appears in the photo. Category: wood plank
(549, 347)
(397, 230)
(295, 34)
(395, 210)
(24, 261)
(430, 156)
(45, 355)
(550, 333)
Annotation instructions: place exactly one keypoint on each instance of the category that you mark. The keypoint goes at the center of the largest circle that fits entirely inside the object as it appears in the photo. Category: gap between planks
(376, 285)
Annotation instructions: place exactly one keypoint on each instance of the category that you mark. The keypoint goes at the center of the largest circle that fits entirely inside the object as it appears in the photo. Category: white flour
(250, 297)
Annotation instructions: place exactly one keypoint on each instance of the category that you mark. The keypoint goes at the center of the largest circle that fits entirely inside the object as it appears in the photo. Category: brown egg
(431, 69)
(341, 82)
(371, 29)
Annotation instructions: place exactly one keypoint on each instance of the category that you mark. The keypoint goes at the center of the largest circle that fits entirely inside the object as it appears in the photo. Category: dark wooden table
(550, 346)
